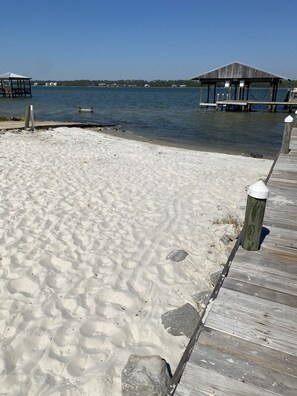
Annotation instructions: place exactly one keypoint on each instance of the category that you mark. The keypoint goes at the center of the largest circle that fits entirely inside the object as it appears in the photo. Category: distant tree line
(144, 83)
(121, 83)
(289, 84)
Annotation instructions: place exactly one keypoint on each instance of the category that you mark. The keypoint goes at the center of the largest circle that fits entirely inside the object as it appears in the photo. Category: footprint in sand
(55, 281)
(78, 366)
(94, 328)
(24, 286)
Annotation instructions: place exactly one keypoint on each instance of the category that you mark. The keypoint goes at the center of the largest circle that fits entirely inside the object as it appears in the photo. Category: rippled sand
(87, 221)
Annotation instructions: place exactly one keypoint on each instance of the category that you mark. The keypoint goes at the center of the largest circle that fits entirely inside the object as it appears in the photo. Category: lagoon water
(169, 114)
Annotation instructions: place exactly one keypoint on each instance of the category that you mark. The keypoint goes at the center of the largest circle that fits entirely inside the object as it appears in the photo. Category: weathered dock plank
(260, 321)
(249, 352)
(261, 291)
(283, 223)
(242, 367)
(280, 236)
(266, 276)
(205, 382)
(246, 343)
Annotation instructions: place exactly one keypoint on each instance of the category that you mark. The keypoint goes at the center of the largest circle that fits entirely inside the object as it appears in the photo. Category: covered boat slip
(14, 85)
(246, 343)
(230, 88)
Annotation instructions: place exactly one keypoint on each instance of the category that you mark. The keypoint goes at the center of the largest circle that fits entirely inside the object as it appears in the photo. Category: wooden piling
(32, 117)
(27, 117)
(295, 120)
(287, 135)
(254, 215)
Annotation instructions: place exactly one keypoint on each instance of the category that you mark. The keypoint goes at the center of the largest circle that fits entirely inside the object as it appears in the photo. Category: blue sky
(152, 39)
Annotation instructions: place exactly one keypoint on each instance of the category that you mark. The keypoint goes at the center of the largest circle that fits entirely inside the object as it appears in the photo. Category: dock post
(287, 135)
(254, 215)
(27, 117)
(32, 118)
(295, 120)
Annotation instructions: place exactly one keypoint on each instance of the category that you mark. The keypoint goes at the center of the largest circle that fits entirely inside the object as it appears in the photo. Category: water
(171, 115)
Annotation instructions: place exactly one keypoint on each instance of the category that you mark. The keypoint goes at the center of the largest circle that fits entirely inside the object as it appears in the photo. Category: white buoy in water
(85, 109)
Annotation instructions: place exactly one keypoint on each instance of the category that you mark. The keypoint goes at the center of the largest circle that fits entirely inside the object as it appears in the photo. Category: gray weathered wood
(242, 368)
(286, 138)
(261, 291)
(252, 229)
(248, 344)
(27, 117)
(255, 320)
(251, 353)
(204, 382)
(32, 118)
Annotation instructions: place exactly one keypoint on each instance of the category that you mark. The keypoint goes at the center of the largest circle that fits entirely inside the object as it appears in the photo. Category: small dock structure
(15, 86)
(234, 82)
(245, 345)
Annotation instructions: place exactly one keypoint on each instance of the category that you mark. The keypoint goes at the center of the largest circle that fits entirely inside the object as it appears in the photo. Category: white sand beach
(86, 223)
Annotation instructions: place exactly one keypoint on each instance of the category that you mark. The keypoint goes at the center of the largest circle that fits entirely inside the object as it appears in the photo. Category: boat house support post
(247, 91)
(235, 91)
(241, 93)
(208, 89)
(30, 90)
(215, 93)
(274, 85)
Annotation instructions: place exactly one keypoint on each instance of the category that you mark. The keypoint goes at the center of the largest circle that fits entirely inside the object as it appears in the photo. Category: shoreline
(90, 223)
(121, 132)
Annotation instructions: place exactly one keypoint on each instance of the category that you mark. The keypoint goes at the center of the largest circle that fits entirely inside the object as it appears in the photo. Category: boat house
(236, 79)
(14, 85)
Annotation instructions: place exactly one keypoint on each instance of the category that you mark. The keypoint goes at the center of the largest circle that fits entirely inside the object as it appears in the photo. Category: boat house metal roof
(9, 75)
(237, 71)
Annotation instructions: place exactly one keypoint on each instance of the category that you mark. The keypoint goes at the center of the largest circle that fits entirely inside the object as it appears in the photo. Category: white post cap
(289, 119)
(258, 190)
(295, 111)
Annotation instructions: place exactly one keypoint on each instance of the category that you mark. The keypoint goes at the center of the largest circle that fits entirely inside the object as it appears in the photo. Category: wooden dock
(247, 105)
(246, 344)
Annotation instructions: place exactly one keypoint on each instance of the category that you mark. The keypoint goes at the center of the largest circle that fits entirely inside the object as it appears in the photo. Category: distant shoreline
(140, 83)
(118, 83)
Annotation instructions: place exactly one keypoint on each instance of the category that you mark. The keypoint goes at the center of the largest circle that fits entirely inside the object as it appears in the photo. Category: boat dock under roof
(237, 79)
(15, 86)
